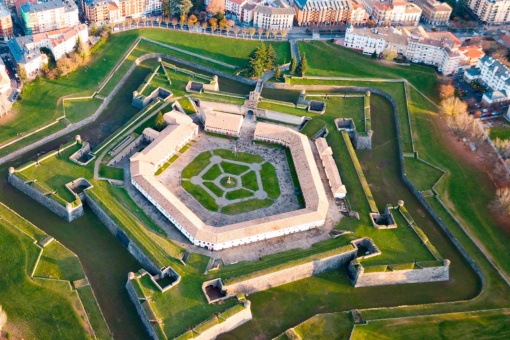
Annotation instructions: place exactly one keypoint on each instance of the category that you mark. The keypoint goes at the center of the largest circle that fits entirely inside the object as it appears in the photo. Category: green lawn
(77, 110)
(501, 132)
(250, 181)
(421, 174)
(57, 171)
(249, 205)
(200, 195)
(197, 165)
(484, 325)
(239, 156)
(270, 180)
(329, 326)
(186, 106)
(236, 194)
(44, 303)
(234, 169)
(212, 173)
(214, 188)
(57, 262)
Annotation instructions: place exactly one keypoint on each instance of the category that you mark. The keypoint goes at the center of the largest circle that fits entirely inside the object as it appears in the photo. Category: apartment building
(434, 12)
(331, 12)
(48, 16)
(276, 14)
(440, 49)
(101, 11)
(491, 11)
(495, 75)
(393, 12)
(6, 29)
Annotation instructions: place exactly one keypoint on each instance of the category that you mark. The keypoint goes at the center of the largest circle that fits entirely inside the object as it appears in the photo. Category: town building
(268, 14)
(27, 55)
(491, 11)
(26, 50)
(144, 164)
(393, 12)
(434, 12)
(48, 16)
(221, 122)
(103, 11)
(5, 81)
(6, 28)
(440, 49)
(335, 181)
(495, 75)
(275, 14)
(330, 12)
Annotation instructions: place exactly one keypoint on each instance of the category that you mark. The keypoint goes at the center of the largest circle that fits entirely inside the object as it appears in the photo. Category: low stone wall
(417, 275)
(291, 274)
(143, 316)
(67, 212)
(231, 323)
(124, 152)
(280, 117)
(144, 260)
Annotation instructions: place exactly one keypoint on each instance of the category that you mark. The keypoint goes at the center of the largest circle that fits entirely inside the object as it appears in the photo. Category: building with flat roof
(48, 16)
(434, 12)
(331, 12)
(495, 75)
(393, 12)
(440, 49)
(6, 28)
(144, 164)
(495, 12)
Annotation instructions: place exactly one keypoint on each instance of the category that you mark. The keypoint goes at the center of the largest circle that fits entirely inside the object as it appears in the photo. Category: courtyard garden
(230, 182)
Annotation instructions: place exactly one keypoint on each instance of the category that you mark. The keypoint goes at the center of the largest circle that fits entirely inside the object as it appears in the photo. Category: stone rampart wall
(67, 213)
(231, 323)
(228, 108)
(197, 66)
(145, 319)
(431, 274)
(132, 247)
(291, 274)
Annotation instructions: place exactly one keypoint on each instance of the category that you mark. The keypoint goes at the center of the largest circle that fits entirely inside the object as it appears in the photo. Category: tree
(251, 31)
(214, 24)
(82, 48)
(502, 200)
(160, 121)
(303, 66)
(93, 30)
(216, 6)
(223, 23)
(293, 65)
(185, 6)
(277, 73)
(165, 8)
(129, 22)
(257, 62)
(137, 21)
(389, 54)
(270, 57)
(446, 90)
(236, 30)
(260, 30)
(283, 33)
(204, 26)
(374, 55)
(231, 23)
(22, 72)
(167, 21)
(158, 19)
(268, 33)
(503, 147)
(452, 106)
(182, 21)
(175, 21)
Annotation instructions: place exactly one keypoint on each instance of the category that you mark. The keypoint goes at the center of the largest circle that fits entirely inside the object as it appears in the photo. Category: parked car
(485, 110)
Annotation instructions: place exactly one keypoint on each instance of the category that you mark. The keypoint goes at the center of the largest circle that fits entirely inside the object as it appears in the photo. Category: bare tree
(502, 200)
(251, 31)
(129, 22)
(167, 21)
(137, 21)
(227, 29)
(446, 90)
(244, 31)
(175, 21)
(283, 33)
(461, 124)
(268, 33)
(158, 19)
(204, 26)
(503, 147)
(236, 30)
(478, 132)
(274, 32)
(452, 106)
(260, 30)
